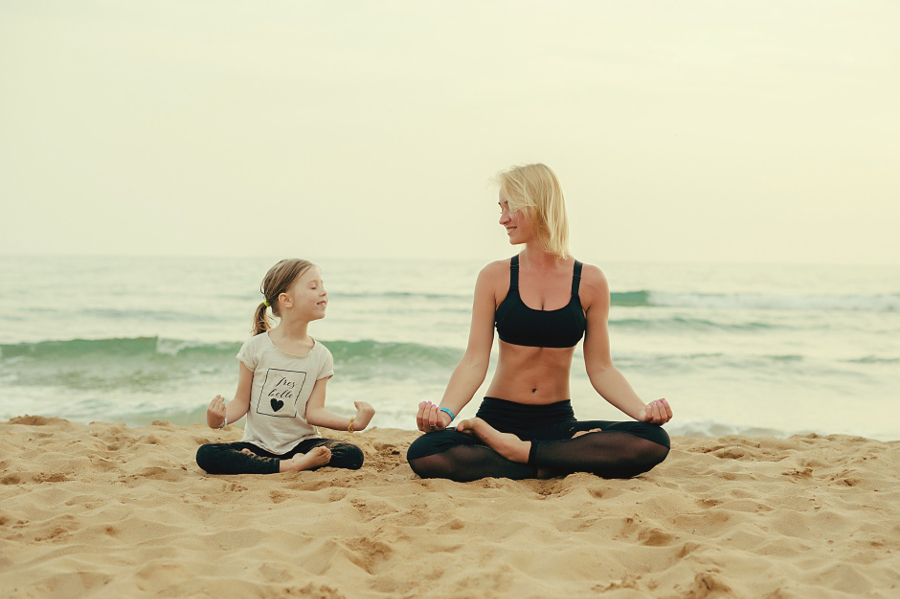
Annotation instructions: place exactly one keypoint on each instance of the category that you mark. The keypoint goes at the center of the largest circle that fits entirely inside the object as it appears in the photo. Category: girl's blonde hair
(277, 281)
(535, 189)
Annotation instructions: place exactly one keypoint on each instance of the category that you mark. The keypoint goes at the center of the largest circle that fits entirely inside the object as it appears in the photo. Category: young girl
(281, 388)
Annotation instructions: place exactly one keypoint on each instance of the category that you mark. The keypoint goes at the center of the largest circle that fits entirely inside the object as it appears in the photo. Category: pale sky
(681, 131)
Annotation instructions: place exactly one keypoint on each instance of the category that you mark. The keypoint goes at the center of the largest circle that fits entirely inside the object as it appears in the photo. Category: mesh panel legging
(227, 458)
(620, 450)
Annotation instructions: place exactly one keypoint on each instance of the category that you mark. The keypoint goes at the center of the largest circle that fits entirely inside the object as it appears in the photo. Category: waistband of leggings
(507, 413)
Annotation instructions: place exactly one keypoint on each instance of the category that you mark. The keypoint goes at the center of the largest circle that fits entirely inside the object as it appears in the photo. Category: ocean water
(750, 349)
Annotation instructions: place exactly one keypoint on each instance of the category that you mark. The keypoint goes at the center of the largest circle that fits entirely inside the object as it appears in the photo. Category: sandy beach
(105, 510)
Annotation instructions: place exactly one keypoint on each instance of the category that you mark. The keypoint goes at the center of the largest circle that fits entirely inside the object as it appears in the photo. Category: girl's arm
(604, 376)
(317, 415)
(471, 370)
(218, 414)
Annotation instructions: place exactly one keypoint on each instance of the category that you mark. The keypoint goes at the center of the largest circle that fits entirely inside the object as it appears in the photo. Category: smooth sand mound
(105, 510)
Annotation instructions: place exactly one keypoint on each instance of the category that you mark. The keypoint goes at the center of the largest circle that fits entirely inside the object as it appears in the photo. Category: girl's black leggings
(227, 458)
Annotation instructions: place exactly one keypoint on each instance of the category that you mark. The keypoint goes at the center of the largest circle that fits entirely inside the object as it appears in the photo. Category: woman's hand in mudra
(430, 418)
(656, 412)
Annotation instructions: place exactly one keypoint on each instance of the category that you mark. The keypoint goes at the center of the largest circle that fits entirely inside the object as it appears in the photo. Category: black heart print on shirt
(280, 391)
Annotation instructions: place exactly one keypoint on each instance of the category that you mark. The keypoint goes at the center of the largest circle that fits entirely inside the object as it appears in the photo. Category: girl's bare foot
(508, 445)
(317, 456)
(593, 430)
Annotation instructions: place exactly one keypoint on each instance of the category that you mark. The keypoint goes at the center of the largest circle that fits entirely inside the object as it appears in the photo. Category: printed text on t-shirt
(279, 389)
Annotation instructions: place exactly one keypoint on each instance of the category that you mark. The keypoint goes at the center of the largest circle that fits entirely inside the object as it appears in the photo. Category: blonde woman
(542, 303)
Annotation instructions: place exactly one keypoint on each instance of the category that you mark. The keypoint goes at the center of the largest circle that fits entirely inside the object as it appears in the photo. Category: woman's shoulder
(494, 271)
(593, 281)
(492, 281)
(592, 273)
(497, 266)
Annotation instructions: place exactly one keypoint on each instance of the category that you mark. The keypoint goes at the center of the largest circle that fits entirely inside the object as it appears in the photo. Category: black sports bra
(520, 325)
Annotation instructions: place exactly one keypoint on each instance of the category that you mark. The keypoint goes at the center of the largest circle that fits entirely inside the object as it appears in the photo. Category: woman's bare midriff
(532, 375)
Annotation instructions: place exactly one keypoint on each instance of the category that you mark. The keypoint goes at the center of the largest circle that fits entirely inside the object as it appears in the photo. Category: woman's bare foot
(508, 445)
(317, 456)
(593, 430)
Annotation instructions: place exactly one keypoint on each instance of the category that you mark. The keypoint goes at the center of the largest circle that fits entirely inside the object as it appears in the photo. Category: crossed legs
(246, 458)
(475, 449)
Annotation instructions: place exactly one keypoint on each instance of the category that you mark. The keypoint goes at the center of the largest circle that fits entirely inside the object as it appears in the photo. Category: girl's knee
(355, 457)
(345, 455)
(205, 456)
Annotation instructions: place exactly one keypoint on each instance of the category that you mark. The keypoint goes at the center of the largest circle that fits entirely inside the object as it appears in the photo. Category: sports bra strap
(576, 278)
(514, 272)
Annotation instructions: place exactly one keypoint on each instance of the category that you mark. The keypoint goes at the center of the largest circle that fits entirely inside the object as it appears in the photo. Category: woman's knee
(654, 454)
(417, 456)
(642, 430)
(419, 466)
(432, 466)
(644, 456)
(425, 455)
(437, 442)
(422, 447)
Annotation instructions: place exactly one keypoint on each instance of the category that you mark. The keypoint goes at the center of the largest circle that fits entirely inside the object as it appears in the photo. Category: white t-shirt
(282, 384)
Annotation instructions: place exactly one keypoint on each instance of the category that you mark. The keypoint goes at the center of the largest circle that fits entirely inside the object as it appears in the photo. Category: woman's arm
(604, 376)
(317, 415)
(471, 370)
(218, 414)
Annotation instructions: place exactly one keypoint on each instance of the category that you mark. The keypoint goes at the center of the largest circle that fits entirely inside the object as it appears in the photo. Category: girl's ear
(285, 300)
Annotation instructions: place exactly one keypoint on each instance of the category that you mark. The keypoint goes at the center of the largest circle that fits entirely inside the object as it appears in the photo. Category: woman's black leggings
(227, 458)
(620, 450)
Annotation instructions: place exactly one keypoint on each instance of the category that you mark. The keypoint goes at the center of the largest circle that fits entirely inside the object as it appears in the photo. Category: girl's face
(307, 297)
(517, 225)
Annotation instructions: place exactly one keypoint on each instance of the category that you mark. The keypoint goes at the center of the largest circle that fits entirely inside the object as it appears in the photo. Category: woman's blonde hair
(535, 189)
(277, 281)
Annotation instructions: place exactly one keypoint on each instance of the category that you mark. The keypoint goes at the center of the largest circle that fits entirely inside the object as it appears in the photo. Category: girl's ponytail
(261, 321)
(277, 281)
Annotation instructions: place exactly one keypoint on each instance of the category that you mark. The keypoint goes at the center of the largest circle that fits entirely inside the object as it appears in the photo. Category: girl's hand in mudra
(215, 413)
(656, 412)
(429, 418)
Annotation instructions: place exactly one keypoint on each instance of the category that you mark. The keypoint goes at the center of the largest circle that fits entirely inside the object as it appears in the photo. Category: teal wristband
(452, 417)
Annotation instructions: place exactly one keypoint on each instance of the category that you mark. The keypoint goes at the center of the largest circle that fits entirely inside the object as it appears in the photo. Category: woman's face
(517, 224)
